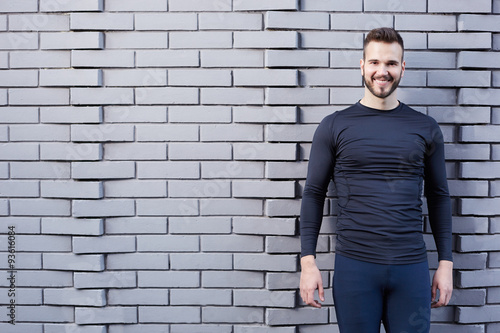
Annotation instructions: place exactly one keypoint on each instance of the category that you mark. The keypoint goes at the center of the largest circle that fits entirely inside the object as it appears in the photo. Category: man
(378, 152)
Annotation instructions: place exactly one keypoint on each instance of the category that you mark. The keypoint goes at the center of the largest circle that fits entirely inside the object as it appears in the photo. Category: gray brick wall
(153, 154)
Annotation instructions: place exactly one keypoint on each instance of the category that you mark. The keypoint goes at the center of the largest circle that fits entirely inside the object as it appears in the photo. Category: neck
(374, 102)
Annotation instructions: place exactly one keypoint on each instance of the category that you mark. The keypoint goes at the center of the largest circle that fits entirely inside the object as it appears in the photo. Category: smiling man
(378, 152)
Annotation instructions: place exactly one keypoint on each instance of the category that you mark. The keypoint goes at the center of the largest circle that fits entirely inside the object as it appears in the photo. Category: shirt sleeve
(319, 173)
(437, 194)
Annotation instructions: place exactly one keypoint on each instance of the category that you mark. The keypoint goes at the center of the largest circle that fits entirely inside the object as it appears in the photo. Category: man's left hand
(443, 280)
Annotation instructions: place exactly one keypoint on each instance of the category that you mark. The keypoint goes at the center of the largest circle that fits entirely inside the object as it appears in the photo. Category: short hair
(384, 35)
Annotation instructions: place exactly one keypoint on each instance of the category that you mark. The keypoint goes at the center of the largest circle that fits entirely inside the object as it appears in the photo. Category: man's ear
(403, 68)
(361, 65)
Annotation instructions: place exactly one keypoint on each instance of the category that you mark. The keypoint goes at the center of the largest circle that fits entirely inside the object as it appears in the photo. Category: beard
(385, 91)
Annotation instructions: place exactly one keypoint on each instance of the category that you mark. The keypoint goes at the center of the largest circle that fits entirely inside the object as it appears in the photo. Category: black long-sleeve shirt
(378, 160)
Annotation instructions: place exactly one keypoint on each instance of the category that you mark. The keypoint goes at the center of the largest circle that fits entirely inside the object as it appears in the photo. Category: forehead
(383, 51)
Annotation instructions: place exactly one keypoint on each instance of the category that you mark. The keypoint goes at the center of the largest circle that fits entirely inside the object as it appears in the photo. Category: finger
(433, 292)
(321, 293)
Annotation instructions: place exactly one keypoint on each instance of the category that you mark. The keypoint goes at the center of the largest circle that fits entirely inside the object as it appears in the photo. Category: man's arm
(439, 206)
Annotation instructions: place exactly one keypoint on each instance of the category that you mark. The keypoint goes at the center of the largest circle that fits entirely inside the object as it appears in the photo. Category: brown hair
(384, 35)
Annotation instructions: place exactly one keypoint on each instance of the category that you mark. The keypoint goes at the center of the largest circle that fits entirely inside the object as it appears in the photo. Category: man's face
(382, 68)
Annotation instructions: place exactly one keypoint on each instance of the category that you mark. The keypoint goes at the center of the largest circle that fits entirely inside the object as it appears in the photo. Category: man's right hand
(310, 280)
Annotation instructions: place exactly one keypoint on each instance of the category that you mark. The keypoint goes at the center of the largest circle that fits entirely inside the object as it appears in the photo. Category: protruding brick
(483, 206)
(70, 226)
(169, 279)
(296, 316)
(200, 5)
(480, 40)
(137, 261)
(137, 40)
(297, 20)
(19, 6)
(71, 40)
(64, 189)
(70, 77)
(166, 21)
(459, 6)
(168, 58)
(169, 314)
(138, 296)
(61, 6)
(105, 280)
(73, 262)
(107, 315)
(69, 296)
(332, 40)
(104, 58)
(477, 59)
(101, 21)
(131, 5)
(230, 96)
(38, 96)
(98, 208)
(471, 22)
(103, 170)
(266, 39)
(230, 21)
(72, 115)
(135, 151)
(482, 170)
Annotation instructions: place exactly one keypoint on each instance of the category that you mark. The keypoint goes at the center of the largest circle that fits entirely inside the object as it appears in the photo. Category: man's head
(382, 65)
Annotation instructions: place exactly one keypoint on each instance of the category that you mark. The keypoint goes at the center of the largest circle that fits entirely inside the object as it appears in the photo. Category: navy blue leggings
(366, 294)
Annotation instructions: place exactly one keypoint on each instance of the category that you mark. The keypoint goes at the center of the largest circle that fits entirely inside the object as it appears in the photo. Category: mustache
(383, 77)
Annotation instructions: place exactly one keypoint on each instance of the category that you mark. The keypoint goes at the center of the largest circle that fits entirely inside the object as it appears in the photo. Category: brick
(296, 316)
(237, 315)
(215, 170)
(248, 5)
(414, 40)
(168, 170)
(282, 207)
(132, 6)
(434, 96)
(168, 58)
(167, 132)
(494, 260)
(64, 189)
(232, 58)
(469, 243)
(290, 133)
(38, 243)
(249, 114)
(57, 314)
(135, 77)
(481, 170)
(266, 39)
(477, 59)
(166, 21)
(108, 315)
(71, 40)
(19, 115)
(229, 21)
(468, 297)
(231, 243)
(102, 58)
(63, 328)
(73, 262)
(23, 261)
(423, 59)
(484, 206)
(199, 77)
(274, 263)
(18, 78)
(19, 188)
(460, 115)
(425, 23)
(167, 207)
(466, 151)
(135, 114)
(265, 151)
(263, 189)
(104, 244)
(199, 151)
(137, 40)
(167, 243)
(231, 96)
(265, 77)
(201, 39)
(231, 132)
(200, 5)
(199, 225)
(113, 207)
(480, 134)
(38, 22)
(101, 133)
(495, 152)
(105, 280)
(346, 95)
(166, 95)
(135, 151)
(136, 261)
(286, 170)
(40, 278)
(468, 188)
(459, 6)
(294, 96)
(297, 20)
(70, 226)
(460, 40)
(296, 58)
(20, 328)
(171, 314)
(70, 77)
(24, 296)
(61, 6)
(199, 189)
(495, 188)
(150, 328)
(352, 21)
(262, 329)
(4, 207)
(134, 225)
(70, 151)
(101, 21)
(103, 170)
(39, 133)
(135, 189)
(332, 40)
(138, 296)
(477, 96)
(39, 207)
(331, 77)
(487, 313)
(25, 225)
(38, 96)
(18, 41)
(72, 115)
(35, 170)
(471, 22)
(19, 6)
(202, 328)
(459, 78)
(169, 279)
(201, 261)
(69, 296)
(199, 114)
(100, 96)
(200, 297)
(230, 207)
(273, 299)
